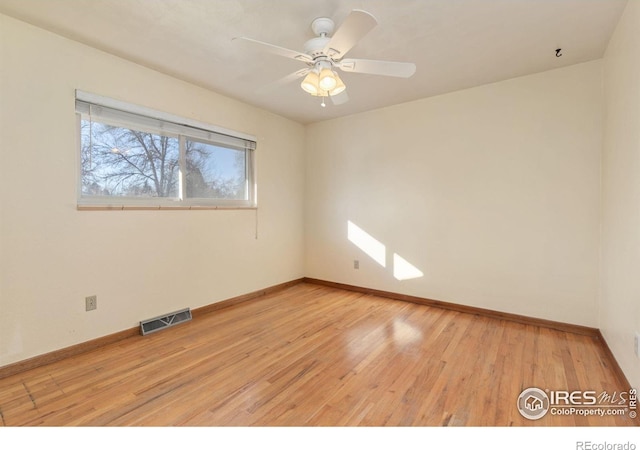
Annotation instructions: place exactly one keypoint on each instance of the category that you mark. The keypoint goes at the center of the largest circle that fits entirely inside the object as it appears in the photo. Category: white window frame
(151, 120)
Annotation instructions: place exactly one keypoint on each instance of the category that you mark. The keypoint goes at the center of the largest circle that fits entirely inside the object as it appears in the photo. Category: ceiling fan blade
(387, 68)
(270, 87)
(274, 49)
(340, 98)
(355, 27)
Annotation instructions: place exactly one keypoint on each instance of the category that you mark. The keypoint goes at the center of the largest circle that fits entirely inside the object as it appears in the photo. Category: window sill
(159, 208)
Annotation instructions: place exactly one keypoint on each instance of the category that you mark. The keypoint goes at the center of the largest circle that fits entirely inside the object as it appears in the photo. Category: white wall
(620, 299)
(139, 263)
(492, 192)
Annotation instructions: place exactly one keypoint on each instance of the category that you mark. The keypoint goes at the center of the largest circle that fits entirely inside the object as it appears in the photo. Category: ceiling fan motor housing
(315, 47)
(322, 27)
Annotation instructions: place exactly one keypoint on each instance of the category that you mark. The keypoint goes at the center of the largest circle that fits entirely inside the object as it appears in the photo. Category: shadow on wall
(376, 250)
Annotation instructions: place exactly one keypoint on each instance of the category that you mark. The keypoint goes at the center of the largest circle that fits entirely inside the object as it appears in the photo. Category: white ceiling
(455, 44)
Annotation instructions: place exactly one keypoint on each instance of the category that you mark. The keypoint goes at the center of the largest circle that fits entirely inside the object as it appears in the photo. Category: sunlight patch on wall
(376, 250)
(367, 243)
(404, 270)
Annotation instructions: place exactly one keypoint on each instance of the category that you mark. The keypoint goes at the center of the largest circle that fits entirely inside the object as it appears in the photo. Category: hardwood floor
(313, 355)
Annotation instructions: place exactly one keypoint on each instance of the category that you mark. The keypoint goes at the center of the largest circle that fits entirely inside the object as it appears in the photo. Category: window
(135, 157)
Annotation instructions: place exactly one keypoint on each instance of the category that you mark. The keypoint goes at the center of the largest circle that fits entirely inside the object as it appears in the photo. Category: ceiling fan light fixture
(327, 81)
(310, 83)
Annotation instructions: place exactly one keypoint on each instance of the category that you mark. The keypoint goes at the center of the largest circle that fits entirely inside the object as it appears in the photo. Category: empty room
(304, 213)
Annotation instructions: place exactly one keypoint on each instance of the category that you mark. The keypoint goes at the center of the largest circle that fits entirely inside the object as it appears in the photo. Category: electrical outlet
(356, 264)
(91, 302)
(636, 344)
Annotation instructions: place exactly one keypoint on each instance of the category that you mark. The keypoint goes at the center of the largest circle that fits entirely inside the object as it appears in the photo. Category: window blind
(120, 113)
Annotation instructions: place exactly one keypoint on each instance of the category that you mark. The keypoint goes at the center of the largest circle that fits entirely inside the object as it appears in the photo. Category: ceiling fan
(325, 53)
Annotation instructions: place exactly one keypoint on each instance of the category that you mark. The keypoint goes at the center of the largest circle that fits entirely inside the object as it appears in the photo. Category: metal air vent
(165, 321)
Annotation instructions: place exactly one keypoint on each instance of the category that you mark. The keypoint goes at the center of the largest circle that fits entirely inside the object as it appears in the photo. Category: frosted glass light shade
(339, 86)
(310, 83)
(327, 80)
